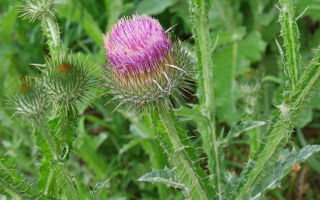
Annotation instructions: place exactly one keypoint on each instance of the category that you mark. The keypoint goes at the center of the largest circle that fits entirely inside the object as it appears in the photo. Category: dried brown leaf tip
(64, 67)
(24, 88)
(296, 167)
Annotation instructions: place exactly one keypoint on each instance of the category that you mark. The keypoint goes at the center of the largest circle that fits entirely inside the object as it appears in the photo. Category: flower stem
(51, 31)
(207, 100)
(187, 174)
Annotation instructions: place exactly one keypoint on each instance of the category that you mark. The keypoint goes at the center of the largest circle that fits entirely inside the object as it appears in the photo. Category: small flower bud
(36, 9)
(144, 66)
(29, 103)
(68, 83)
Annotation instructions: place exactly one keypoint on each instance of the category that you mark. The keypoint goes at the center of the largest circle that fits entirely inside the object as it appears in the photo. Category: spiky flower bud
(36, 9)
(29, 103)
(68, 82)
(144, 66)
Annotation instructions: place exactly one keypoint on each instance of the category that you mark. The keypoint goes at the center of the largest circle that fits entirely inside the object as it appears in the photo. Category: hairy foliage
(16, 186)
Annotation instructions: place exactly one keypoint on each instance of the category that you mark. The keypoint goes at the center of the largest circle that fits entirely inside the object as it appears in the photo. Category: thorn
(173, 66)
(159, 86)
(169, 29)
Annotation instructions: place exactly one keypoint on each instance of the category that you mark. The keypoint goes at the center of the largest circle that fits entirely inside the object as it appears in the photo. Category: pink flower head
(144, 68)
(136, 45)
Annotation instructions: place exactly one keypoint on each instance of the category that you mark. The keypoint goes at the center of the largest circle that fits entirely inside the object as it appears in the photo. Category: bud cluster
(66, 84)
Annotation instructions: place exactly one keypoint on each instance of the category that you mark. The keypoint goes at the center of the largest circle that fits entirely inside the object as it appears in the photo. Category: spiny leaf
(94, 193)
(290, 34)
(283, 167)
(15, 185)
(165, 176)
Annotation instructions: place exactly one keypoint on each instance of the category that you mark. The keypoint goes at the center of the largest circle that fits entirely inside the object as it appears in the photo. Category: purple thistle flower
(137, 44)
(144, 66)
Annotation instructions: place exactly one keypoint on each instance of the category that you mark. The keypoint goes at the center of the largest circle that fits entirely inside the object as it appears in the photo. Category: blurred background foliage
(120, 147)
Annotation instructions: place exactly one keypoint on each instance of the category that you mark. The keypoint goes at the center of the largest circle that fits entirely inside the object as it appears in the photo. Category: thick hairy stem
(290, 34)
(182, 158)
(51, 30)
(199, 11)
(208, 80)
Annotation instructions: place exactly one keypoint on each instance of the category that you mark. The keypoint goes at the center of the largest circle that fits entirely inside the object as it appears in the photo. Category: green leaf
(230, 62)
(227, 37)
(86, 147)
(243, 127)
(114, 9)
(153, 7)
(281, 169)
(130, 145)
(97, 189)
(16, 186)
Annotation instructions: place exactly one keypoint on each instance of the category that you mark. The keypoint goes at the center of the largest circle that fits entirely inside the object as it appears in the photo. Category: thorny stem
(208, 80)
(51, 30)
(54, 30)
(182, 157)
(280, 131)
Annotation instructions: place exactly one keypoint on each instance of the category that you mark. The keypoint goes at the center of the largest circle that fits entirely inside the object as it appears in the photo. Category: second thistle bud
(29, 103)
(68, 82)
(145, 66)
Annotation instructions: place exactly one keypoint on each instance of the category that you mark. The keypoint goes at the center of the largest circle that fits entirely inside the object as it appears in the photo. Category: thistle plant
(79, 152)
(52, 101)
(144, 69)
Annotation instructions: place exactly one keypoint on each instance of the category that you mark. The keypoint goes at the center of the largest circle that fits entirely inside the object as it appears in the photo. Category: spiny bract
(68, 82)
(144, 66)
